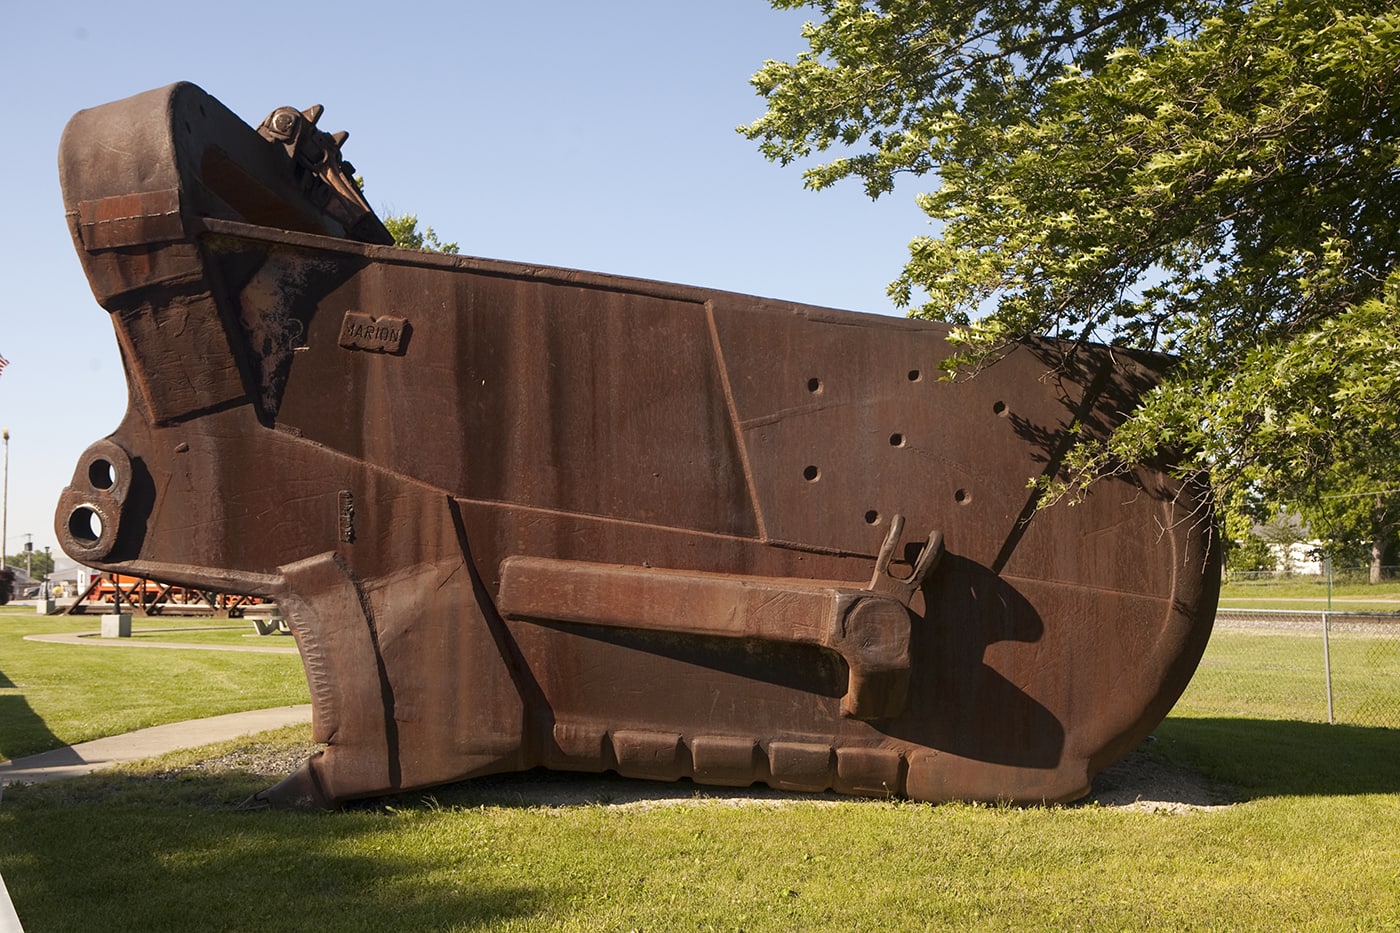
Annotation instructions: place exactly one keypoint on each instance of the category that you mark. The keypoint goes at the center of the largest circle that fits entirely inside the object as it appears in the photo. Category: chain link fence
(1323, 666)
(1324, 574)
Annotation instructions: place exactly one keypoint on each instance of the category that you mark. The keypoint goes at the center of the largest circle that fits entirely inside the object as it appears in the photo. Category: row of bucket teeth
(731, 761)
(313, 116)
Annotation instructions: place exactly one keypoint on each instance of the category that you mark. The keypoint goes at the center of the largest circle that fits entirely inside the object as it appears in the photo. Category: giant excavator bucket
(521, 516)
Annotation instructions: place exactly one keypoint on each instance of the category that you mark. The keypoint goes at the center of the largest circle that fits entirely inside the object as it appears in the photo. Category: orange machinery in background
(142, 596)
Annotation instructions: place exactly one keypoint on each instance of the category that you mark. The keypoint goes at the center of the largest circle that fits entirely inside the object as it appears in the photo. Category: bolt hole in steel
(814, 385)
(811, 474)
(999, 408)
(963, 496)
(102, 474)
(872, 517)
(896, 439)
(85, 525)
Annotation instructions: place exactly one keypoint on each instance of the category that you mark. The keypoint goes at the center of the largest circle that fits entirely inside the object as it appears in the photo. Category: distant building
(24, 586)
(1290, 542)
(69, 578)
(1301, 558)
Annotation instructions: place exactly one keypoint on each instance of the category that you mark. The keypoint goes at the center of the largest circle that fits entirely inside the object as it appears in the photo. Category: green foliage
(1248, 553)
(404, 228)
(40, 563)
(1243, 549)
(1213, 178)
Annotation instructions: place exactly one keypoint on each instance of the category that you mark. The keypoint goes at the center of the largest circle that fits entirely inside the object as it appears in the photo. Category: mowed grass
(128, 856)
(1309, 842)
(1311, 594)
(53, 695)
(1280, 674)
(239, 633)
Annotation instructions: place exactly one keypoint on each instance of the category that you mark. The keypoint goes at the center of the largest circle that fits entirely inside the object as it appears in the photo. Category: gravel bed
(1141, 781)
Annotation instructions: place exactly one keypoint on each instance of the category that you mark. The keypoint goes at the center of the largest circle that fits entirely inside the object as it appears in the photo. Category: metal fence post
(1327, 664)
(1327, 566)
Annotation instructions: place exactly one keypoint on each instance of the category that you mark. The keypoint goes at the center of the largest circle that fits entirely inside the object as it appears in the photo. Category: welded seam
(734, 421)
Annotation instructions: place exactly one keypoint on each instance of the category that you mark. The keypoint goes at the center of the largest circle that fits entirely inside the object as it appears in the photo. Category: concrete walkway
(95, 639)
(88, 757)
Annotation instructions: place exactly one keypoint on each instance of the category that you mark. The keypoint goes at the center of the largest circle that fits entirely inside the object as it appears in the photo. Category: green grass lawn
(1276, 674)
(54, 695)
(1310, 594)
(194, 632)
(1310, 842)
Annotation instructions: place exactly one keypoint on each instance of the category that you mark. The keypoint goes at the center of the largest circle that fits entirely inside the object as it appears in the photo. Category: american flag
(3, 363)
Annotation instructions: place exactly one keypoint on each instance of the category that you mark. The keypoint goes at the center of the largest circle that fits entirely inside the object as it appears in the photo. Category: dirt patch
(1141, 781)
(267, 760)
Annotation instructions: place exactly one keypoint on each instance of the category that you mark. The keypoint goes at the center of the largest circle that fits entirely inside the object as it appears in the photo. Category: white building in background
(72, 576)
(1302, 558)
(1288, 540)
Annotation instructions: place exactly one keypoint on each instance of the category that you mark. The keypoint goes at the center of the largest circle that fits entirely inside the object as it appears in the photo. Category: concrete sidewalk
(88, 757)
(96, 640)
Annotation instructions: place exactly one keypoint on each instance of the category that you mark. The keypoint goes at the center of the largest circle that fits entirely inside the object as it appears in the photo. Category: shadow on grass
(151, 852)
(21, 729)
(542, 788)
(1277, 757)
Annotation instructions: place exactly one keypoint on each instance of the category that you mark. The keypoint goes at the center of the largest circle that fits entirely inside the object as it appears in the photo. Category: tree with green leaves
(1217, 179)
(404, 229)
(40, 563)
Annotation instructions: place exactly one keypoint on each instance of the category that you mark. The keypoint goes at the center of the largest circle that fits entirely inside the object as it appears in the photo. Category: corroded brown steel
(523, 516)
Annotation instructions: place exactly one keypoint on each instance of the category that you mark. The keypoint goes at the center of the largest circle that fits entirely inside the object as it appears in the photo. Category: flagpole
(5, 502)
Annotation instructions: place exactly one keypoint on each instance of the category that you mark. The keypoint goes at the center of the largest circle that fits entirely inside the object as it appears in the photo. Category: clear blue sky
(589, 135)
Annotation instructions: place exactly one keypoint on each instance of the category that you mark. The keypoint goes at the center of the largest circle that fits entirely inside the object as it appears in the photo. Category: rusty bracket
(90, 507)
(327, 180)
(868, 628)
(904, 588)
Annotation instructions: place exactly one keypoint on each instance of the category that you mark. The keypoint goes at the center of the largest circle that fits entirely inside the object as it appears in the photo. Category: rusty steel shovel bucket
(521, 516)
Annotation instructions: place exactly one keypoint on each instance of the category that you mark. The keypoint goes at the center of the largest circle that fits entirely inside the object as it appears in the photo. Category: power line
(1353, 495)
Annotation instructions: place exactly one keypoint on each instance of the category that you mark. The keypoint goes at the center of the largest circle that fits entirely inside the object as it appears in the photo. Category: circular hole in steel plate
(102, 474)
(85, 525)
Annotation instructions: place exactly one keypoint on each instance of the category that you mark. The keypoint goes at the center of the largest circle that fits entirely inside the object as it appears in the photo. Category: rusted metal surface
(523, 516)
